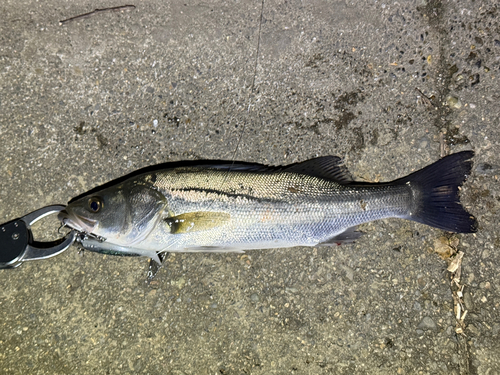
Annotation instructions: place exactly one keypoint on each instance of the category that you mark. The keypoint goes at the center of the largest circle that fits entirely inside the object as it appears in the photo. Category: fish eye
(95, 204)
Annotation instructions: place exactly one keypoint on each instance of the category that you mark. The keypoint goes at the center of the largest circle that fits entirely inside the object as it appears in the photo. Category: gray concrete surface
(94, 99)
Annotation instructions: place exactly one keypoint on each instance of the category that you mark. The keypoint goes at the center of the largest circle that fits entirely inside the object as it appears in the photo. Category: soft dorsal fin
(327, 167)
(196, 221)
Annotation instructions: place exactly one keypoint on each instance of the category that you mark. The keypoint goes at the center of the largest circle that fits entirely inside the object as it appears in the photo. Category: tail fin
(436, 194)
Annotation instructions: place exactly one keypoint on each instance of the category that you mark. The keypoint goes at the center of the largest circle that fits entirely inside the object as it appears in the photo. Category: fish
(217, 206)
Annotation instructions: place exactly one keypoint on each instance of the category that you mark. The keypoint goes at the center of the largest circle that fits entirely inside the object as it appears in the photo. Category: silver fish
(228, 206)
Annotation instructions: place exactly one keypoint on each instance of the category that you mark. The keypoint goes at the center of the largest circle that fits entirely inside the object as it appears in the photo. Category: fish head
(123, 214)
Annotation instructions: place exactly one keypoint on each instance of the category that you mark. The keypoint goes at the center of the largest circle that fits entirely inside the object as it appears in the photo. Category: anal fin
(348, 236)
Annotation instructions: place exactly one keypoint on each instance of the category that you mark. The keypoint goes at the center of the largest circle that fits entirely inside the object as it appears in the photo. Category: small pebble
(469, 303)
(453, 102)
(427, 324)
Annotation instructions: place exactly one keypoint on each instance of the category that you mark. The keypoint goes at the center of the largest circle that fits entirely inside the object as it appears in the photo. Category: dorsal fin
(327, 167)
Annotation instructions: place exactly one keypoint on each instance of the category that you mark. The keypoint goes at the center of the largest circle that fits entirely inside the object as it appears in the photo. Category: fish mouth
(77, 222)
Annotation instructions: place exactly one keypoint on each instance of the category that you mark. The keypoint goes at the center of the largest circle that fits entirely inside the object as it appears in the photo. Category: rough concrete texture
(96, 98)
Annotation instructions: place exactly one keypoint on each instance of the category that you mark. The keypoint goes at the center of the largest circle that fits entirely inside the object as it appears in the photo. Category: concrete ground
(389, 86)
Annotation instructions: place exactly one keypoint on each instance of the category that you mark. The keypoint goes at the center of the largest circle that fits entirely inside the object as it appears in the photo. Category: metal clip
(17, 244)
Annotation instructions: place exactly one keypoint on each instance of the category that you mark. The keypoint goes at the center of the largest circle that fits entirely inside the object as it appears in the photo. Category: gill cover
(123, 214)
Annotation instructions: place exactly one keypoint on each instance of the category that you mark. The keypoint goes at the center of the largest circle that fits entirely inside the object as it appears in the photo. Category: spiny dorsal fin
(327, 167)
(196, 221)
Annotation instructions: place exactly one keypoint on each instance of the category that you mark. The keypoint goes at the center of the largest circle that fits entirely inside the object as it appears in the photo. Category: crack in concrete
(434, 11)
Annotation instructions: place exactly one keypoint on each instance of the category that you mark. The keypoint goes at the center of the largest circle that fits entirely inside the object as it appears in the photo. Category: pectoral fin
(196, 221)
